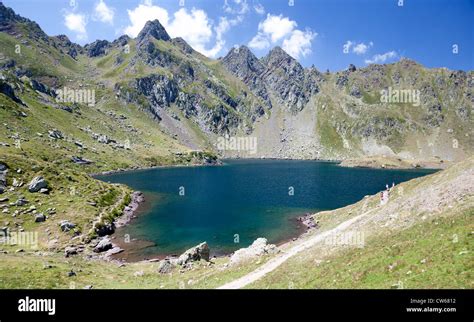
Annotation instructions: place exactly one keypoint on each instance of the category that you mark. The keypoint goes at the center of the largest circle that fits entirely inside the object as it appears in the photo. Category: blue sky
(330, 34)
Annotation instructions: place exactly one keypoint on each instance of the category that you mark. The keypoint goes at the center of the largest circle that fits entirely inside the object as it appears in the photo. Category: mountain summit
(153, 29)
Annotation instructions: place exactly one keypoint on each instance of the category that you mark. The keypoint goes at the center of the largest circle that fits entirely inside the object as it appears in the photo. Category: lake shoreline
(304, 223)
(136, 207)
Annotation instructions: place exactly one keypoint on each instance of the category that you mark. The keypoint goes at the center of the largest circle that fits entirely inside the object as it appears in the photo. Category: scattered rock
(308, 220)
(21, 202)
(40, 217)
(80, 160)
(17, 183)
(3, 178)
(55, 134)
(114, 251)
(37, 184)
(66, 225)
(69, 251)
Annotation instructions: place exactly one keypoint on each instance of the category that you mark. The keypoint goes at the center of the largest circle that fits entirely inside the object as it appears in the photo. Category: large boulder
(37, 184)
(66, 225)
(103, 245)
(40, 217)
(258, 248)
(195, 253)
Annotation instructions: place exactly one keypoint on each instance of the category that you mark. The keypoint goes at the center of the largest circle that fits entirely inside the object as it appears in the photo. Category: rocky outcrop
(258, 248)
(80, 160)
(166, 266)
(3, 177)
(8, 91)
(65, 46)
(193, 254)
(40, 87)
(105, 229)
(183, 45)
(97, 48)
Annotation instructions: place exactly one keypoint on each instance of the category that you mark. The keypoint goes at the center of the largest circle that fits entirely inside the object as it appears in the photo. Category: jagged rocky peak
(121, 41)
(9, 19)
(65, 45)
(288, 80)
(8, 15)
(63, 38)
(241, 62)
(277, 56)
(152, 29)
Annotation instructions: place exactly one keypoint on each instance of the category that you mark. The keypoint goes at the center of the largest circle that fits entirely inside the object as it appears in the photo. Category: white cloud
(361, 48)
(381, 58)
(356, 48)
(259, 9)
(104, 13)
(274, 29)
(76, 22)
(299, 43)
(260, 41)
(194, 27)
(236, 7)
(143, 13)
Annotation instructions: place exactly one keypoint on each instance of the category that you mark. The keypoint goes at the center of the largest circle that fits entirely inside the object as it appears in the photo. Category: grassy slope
(425, 232)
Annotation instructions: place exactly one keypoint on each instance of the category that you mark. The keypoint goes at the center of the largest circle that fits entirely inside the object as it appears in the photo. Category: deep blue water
(249, 198)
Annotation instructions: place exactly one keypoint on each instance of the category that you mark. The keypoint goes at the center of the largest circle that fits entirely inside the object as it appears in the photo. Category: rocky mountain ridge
(292, 111)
